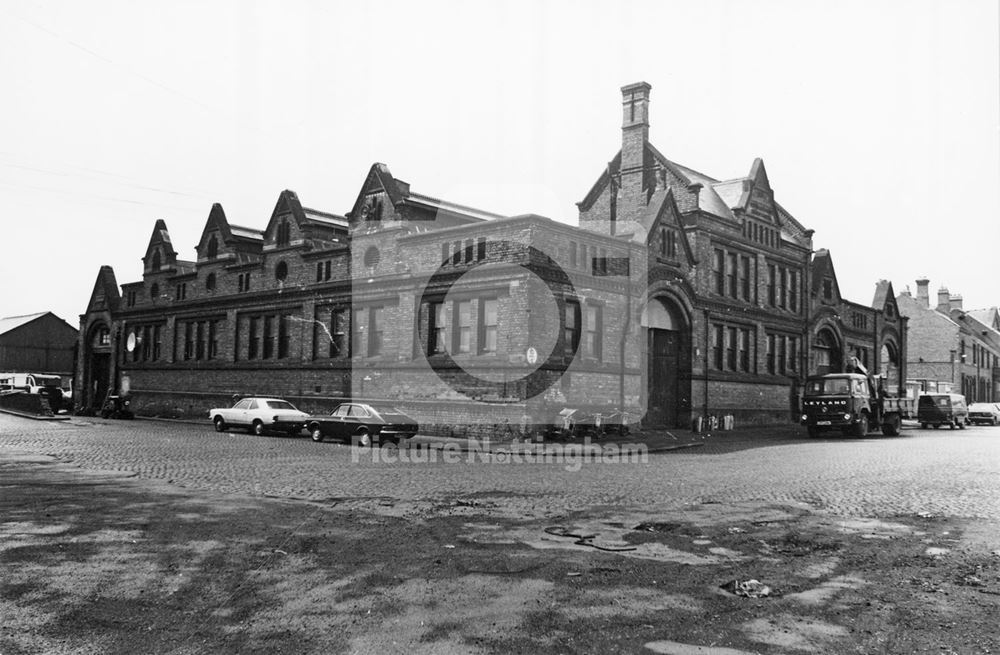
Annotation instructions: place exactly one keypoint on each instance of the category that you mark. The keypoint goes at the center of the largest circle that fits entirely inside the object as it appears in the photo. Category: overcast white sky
(877, 121)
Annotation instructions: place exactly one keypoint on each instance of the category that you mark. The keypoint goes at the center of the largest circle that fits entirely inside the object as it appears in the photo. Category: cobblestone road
(944, 472)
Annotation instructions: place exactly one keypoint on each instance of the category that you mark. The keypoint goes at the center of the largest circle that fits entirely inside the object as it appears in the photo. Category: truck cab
(849, 402)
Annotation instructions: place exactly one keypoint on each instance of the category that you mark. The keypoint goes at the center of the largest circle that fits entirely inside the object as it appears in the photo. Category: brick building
(952, 349)
(677, 294)
(37, 343)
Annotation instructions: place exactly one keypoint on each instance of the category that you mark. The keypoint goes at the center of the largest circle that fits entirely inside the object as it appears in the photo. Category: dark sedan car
(362, 423)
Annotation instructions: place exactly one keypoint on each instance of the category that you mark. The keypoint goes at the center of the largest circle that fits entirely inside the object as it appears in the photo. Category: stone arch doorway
(97, 376)
(889, 364)
(827, 352)
(667, 388)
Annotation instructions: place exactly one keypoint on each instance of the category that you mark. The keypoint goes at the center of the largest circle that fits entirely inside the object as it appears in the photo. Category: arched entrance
(827, 352)
(668, 378)
(97, 378)
(889, 364)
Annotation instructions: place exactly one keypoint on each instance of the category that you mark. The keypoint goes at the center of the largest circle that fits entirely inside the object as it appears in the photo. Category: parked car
(362, 423)
(260, 415)
(985, 413)
(939, 409)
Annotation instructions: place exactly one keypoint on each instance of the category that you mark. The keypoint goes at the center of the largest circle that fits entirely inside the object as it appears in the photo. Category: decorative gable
(216, 237)
(285, 227)
(160, 253)
(105, 296)
(760, 199)
(665, 236)
(379, 195)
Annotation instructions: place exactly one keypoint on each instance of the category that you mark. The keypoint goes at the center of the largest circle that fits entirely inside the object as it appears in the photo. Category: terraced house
(676, 294)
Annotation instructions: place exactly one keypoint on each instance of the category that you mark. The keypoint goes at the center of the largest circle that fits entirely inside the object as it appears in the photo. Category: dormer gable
(216, 237)
(106, 296)
(665, 235)
(885, 300)
(160, 253)
(284, 229)
(758, 202)
(379, 195)
(825, 289)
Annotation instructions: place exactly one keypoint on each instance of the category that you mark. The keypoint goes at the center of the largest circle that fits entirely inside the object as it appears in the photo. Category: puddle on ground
(677, 648)
(827, 590)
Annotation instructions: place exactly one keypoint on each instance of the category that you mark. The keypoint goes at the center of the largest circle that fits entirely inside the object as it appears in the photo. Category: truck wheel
(814, 431)
(861, 428)
(891, 427)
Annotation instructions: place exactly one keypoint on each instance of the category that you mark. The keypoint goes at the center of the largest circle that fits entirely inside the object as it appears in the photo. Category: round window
(281, 271)
(210, 282)
(372, 256)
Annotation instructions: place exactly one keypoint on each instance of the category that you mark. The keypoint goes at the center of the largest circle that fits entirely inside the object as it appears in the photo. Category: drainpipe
(705, 408)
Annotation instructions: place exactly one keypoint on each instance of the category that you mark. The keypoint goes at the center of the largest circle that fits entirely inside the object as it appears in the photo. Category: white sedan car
(260, 415)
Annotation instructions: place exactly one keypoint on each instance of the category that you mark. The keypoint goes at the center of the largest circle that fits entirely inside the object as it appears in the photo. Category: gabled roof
(8, 323)
(990, 317)
(160, 238)
(822, 267)
(662, 210)
(884, 295)
(105, 294)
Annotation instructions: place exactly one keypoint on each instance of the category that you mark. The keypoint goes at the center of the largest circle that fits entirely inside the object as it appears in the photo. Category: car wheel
(316, 434)
(258, 428)
(364, 439)
(861, 428)
(220, 424)
(892, 427)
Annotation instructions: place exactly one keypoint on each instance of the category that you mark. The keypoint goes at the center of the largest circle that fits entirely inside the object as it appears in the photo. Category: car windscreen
(828, 387)
(281, 404)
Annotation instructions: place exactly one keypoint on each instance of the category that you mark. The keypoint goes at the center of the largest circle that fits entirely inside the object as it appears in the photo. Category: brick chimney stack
(635, 135)
(955, 302)
(923, 299)
(944, 300)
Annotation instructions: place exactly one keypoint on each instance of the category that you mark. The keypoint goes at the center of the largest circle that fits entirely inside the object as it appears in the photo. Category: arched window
(156, 260)
(281, 271)
(213, 247)
(154, 292)
(210, 282)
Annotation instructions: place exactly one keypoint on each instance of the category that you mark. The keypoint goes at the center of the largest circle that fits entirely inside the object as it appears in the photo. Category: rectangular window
(445, 253)
(572, 254)
(456, 252)
(592, 332)
(213, 339)
(268, 337)
(199, 352)
(253, 348)
(376, 318)
(781, 342)
(338, 333)
(437, 331)
(783, 291)
(745, 278)
(488, 325)
(793, 291)
(718, 272)
(571, 333)
(793, 354)
(319, 271)
(188, 340)
(462, 315)
(146, 345)
(744, 348)
(156, 343)
(357, 333)
(731, 348)
(480, 249)
(770, 353)
(671, 243)
(283, 337)
(468, 251)
(718, 346)
(771, 285)
(327, 269)
(731, 270)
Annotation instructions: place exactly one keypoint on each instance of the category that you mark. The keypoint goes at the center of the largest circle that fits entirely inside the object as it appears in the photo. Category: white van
(30, 382)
